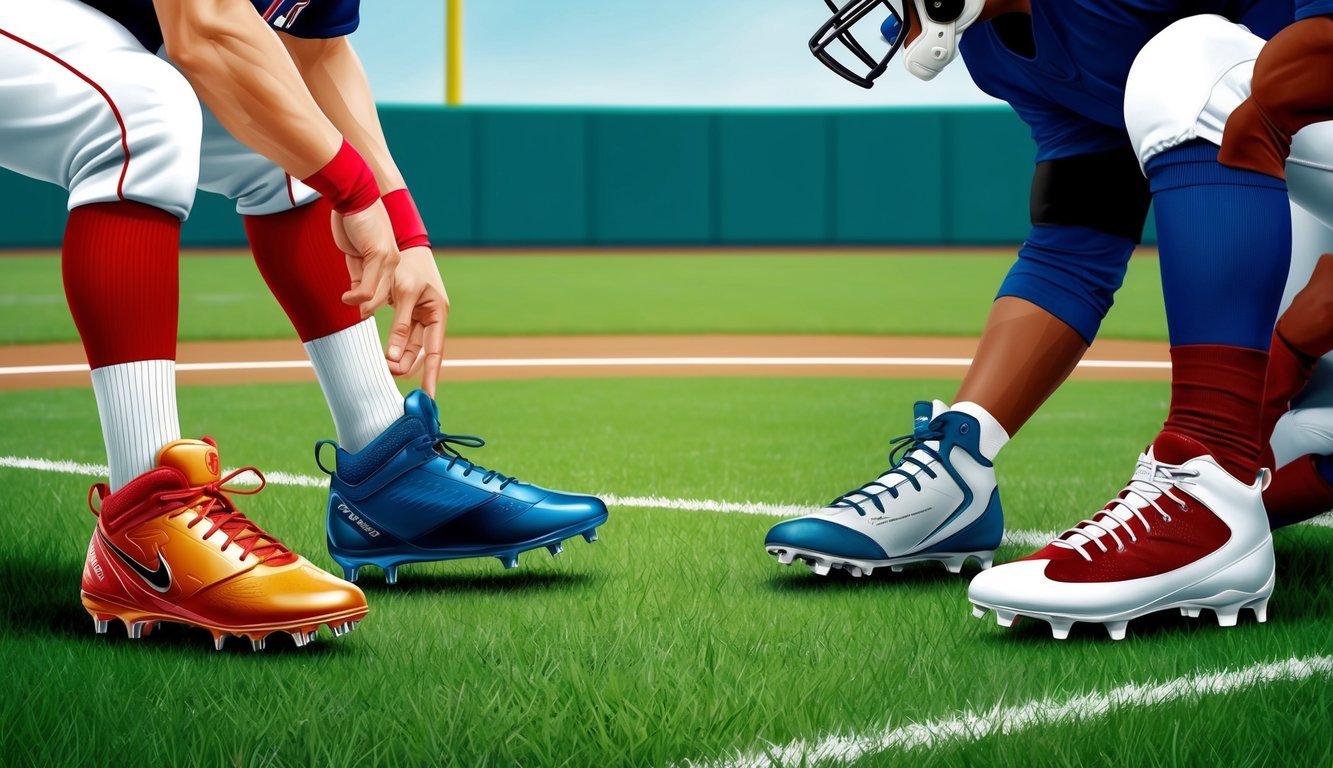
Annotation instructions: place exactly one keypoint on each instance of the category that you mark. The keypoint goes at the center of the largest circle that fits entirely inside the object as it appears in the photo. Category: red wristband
(408, 228)
(346, 182)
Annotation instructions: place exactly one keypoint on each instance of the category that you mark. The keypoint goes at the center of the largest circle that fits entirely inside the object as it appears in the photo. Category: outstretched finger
(403, 308)
(434, 355)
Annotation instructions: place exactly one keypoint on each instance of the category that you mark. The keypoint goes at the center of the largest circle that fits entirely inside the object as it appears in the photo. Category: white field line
(1018, 538)
(611, 362)
(972, 725)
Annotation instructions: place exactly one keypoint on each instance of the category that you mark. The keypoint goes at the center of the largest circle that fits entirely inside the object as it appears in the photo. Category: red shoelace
(212, 503)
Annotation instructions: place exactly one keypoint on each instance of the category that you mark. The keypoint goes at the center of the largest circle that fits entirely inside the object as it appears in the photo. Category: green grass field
(675, 637)
(894, 292)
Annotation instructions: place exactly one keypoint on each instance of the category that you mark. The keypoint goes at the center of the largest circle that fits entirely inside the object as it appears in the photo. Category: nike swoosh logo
(159, 579)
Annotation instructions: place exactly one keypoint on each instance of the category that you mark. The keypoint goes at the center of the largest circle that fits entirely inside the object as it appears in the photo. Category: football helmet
(940, 24)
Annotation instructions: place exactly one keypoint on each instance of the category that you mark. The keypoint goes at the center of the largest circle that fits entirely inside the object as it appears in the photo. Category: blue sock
(1225, 240)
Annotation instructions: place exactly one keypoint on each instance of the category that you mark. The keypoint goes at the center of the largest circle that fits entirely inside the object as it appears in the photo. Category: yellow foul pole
(453, 69)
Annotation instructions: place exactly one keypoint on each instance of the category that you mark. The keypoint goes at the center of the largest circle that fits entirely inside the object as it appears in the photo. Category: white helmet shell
(942, 23)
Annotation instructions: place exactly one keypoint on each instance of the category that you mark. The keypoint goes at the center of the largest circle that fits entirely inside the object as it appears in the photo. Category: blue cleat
(937, 503)
(410, 497)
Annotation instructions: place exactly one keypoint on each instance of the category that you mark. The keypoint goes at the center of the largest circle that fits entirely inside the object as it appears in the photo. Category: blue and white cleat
(938, 503)
(410, 497)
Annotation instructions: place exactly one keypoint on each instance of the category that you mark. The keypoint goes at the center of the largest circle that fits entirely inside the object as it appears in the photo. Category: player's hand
(420, 312)
(367, 240)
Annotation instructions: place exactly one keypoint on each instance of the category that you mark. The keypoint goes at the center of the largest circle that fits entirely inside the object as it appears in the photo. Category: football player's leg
(939, 500)
(288, 228)
(84, 106)
(1188, 531)
(1302, 438)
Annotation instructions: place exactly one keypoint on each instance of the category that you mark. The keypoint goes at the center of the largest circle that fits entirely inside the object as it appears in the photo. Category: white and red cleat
(1183, 534)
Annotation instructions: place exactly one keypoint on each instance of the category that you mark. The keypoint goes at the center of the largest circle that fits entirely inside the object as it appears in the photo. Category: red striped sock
(120, 263)
(303, 267)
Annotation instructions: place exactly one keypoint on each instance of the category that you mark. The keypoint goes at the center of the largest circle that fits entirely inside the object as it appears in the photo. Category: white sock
(993, 436)
(357, 384)
(137, 405)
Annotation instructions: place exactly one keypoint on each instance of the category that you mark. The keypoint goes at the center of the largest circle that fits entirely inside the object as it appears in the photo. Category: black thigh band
(1105, 191)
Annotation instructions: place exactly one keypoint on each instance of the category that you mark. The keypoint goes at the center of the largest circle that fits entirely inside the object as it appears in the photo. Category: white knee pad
(84, 106)
(229, 168)
(1186, 82)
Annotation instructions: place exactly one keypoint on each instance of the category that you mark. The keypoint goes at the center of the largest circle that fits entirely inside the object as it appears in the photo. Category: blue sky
(633, 52)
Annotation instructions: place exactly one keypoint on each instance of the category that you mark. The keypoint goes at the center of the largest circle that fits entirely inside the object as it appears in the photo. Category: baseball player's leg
(84, 106)
(288, 227)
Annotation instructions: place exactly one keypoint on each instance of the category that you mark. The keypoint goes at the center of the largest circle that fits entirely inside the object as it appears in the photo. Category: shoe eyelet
(963, 429)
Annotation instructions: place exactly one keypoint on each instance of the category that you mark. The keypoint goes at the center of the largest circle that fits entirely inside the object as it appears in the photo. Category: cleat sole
(823, 563)
(508, 554)
(140, 624)
(1226, 605)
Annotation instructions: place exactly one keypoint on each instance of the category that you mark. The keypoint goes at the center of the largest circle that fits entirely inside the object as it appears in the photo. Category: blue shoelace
(442, 444)
(901, 450)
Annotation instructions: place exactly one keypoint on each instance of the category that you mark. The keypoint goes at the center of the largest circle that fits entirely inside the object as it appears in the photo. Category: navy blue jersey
(299, 18)
(1064, 71)
(1308, 8)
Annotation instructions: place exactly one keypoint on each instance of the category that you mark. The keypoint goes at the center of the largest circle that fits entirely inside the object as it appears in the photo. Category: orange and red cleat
(171, 546)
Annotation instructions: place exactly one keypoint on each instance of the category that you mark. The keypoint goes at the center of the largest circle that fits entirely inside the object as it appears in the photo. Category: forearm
(337, 81)
(240, 70)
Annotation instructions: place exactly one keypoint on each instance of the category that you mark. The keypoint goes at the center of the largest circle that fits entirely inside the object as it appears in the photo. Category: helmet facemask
(857, 42)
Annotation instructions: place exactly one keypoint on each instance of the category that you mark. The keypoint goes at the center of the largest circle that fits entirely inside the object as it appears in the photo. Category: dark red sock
(303, 267)
(1216, 394)
(1288, 372)
(121, 262)
(1298, 492)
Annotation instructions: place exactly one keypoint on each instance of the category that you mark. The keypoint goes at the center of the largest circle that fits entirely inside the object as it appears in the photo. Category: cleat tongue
(195, 459)
(420, 406)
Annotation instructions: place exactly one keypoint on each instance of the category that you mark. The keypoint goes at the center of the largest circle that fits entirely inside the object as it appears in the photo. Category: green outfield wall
(509, 177)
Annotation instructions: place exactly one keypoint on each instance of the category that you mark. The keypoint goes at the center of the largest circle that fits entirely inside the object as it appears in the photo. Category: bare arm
(237, 66)
(239, 69)
(336, 79)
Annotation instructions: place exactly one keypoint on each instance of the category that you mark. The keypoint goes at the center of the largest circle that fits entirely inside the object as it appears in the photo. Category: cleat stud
(1260, 608)
(555, 549)
(299, 638)
(895, 568)
(1005, 618)
(508, 560)
(350, 573)
(1060, 628)
(135, 629)
(1191, 611)
(219, 640)
(590, 535)
(1116, 629)
(257, 643)
(953, 566)
(978, 612)
(855, 571)
(1226, 617)
(987, 561)
(821, 568)
(866, 570)
(351, 625)
(390, 574)
(786, 556)
(100, 626)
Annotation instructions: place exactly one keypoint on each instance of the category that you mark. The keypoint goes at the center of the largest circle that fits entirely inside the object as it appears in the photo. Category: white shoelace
(1162, 481)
